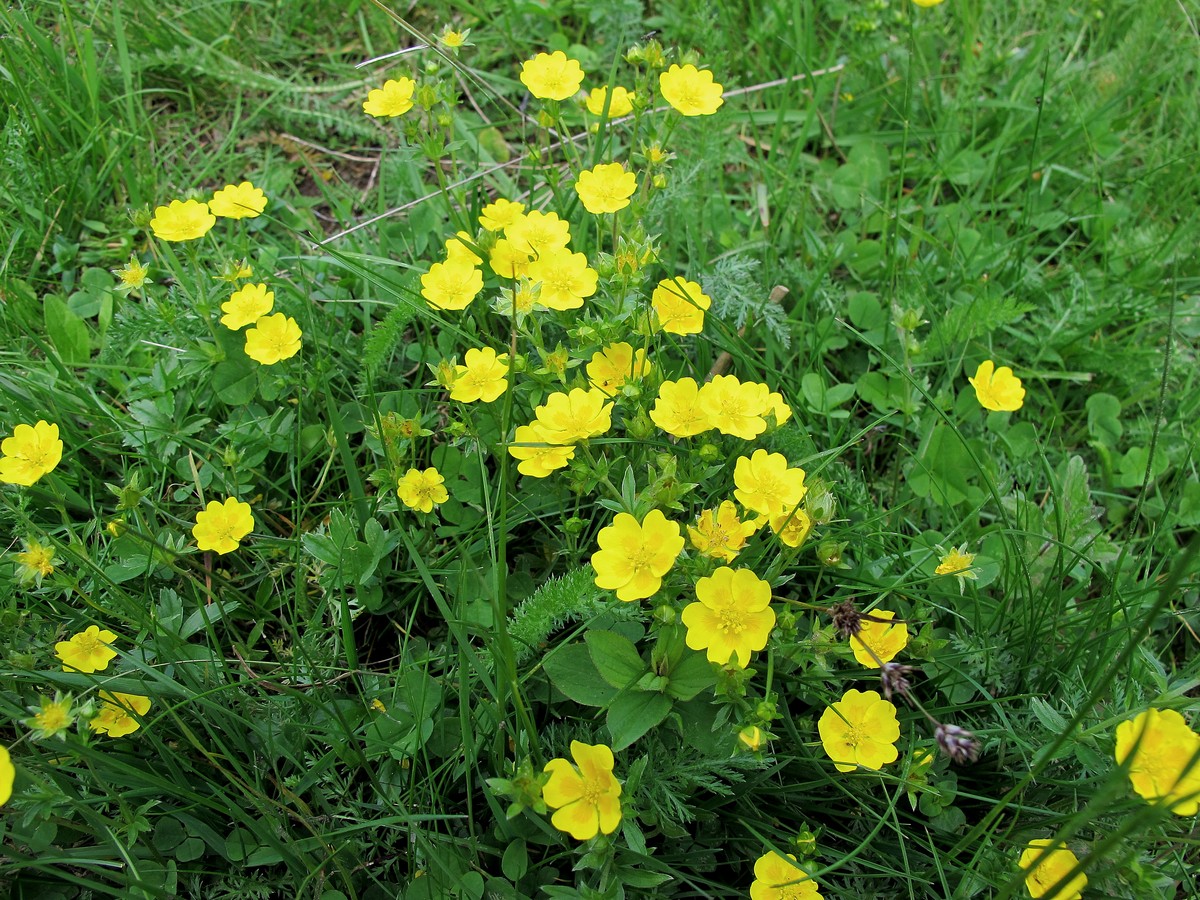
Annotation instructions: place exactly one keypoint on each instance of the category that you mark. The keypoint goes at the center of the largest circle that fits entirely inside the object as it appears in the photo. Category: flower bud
(830, 553)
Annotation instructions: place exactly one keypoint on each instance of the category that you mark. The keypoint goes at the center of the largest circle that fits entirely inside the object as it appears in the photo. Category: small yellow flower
(391, 100)
(732, 616)
(885, 639)
(452, 284)
(243, 201)
(88, 651)
(566, 418)
(35, 562)
(54, 717)
(677, 411)
(861, 729)
(133, 276)
(1041, 877)
(538, 233)
(605, 188)
(781, 878)
(692, 92)
(455, 40)
(587, 796)
(539, 454)
(927, 4)
(552, 76)
(7, 775)
(422, 490)
(792, 527)
(719, 532)
(119, 714)
(957, 562)
(378, 705)
(777, 407)
(484, 377)
(182, 221)
(565, 279)
(997, 389)
(752, 738)
(273, 339)
(620, 105)
(246, 306)
(499, 214)
(1163, 757)
(31, 452)
(735, 407)
(766, 485)
(679, 306)
(220, 526)
(633, 557)
(614, 365)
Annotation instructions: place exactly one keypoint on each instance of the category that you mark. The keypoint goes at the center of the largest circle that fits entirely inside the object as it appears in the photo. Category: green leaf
(67, 332)
(693, 674)
(943, 468)
(631, 715)
(616, 658)
(515, 862)
(235, 381)
(1104, 418)
(572, 671)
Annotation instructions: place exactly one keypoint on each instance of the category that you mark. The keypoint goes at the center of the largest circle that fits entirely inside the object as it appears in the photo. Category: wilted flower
(220, 526)
(132, 276)
(752, 738)
(957, 743)
(35, 562)
(586, 795)
(52, 718)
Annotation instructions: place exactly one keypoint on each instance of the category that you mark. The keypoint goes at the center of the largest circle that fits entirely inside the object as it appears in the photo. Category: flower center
(731, 621)
(593, 790)
(89, 644)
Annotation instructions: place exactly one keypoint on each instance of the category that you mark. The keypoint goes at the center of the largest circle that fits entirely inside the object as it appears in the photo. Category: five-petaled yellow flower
(633, 557)
(538, 233)
(997, 389)
(393, 99)
(587, 796)
(766, 484)
(31, 452)
(88, 651)
(1163, 756)
(422, 490)
(719, 532)
(781, 878)
(116, 717)
(220, 526)
(133, 276)
(552, 76)
(241, 201)
(7, 775)
(605, 188)
(732, 616)
(1041, 877)
(736, 407)
(484, 377)
(565, 278)
(691, 91)
(885, 639)
(677, 411)
(612, 366)
(452, 284)
(273, 339)
(182, 220)
(246, 306)
(680, 305)
(567, 418)
(861, 729)
(539, 454)
(499, 214)
(620, 105)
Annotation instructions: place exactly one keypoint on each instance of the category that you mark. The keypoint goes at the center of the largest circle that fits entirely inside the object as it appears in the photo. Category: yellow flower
(459, 249)
(452, 284)
(132, 276)
(577, 416)
(31, 452)
(116, 717)
(690, 91)
(552, 76)
(565, 279)
(519, 299)
(246, 306)
(886, 640)
(735, 407)
(539, 455)
(538, 233)
(752, 738)
(243, 201)
(499, 214)
(677, 410)
(7, 775)
(605, 188)
(220, 526)
(792, 527)
(766, 485)
(633, 557)
(272, 339)
(54, 717)
(776, 405)
(680, 305)
(422, 490)
(719, 532)
(378, 705)
(614, 365)
(587, 798)
(455, 39)
(35, 562)
(958, 560)
(861, 729)
(1163, 756)
(484, 377)
(732, 617)
(87, 651)
(182, 221)
(927, 4)
(393, 99)
(507, 261)
(1041, 877)
(781, 878)
(998, 390)
(620, 105)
